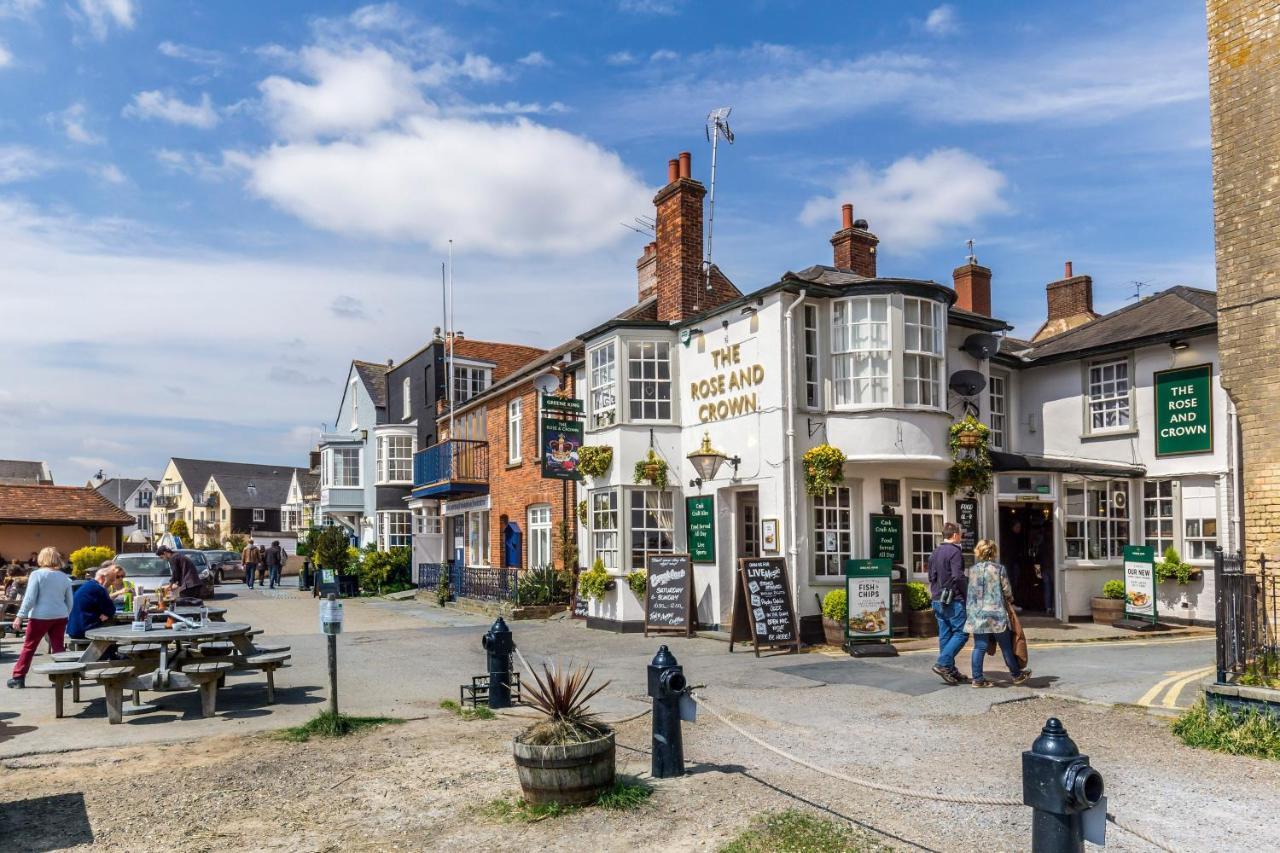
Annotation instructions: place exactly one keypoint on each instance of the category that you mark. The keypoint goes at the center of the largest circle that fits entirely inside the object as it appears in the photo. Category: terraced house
(216, 499)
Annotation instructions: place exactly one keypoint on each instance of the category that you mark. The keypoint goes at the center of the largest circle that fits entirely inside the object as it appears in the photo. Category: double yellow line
(1174, 685)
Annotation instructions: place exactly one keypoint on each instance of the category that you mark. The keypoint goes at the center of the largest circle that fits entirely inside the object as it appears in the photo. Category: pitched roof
(308, 482)
(527, 371)
(20, 471)
(246, 491)
(374, 377)
(506, 358)
(118, 489)
(195, 473)
(1168, 312)
(59, 504)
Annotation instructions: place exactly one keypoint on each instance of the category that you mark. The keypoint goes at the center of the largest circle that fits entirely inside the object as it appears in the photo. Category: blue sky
(208, 209)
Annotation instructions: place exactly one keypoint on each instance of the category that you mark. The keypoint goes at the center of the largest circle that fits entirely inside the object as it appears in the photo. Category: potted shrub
(652, 470)
(594, 460)
(969, 432)
(920, 618)
(1172, 568)
(823, 469)
(639, 583)
(834, 606)
(568, 756)
(595, 582)
(1109, 607)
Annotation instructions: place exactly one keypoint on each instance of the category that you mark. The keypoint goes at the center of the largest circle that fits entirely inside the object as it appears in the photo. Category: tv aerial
(717, 127)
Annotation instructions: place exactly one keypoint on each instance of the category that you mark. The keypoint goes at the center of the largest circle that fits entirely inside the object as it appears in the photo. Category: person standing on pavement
(986, 614)
(275, 560)
(947, 588)
(251, 557)
(46, 604)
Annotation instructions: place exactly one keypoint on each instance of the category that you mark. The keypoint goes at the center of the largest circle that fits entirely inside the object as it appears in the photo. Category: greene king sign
(1184, 410)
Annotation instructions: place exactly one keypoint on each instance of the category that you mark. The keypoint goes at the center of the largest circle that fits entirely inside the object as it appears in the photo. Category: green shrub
(238, 542)
(332, 551)
(639, 582)
(1113, 590)
(1251, 732)
(84, 560)
(652, 469)
(178, 528)
(834, 605)
(384, 571)
(1171, 568)
(443, 593)
(918, 597)
(794, 831)
(543, 585)
(594, 582)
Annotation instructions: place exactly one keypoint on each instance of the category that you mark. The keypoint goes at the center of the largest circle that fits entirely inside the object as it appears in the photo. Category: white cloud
(621, 57)
(20, 163)
(663, 55)
(101, 15)
(6, 58)
(510, 108)
(19, 8)
(650, 7)
(380, 16)
(188, 53)
(111, 174)
(193, 163)
(916, 202)
(536, 59)
(942, 21)
(72, 122)
(156, 104)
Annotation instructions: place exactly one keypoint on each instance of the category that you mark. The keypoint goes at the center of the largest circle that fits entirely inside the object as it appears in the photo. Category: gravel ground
(422, 786)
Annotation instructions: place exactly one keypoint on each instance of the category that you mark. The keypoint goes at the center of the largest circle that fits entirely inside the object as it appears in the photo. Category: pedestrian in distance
(987, 613)
(250, 557)
(46, 604)
(947, 588)
(275, 559)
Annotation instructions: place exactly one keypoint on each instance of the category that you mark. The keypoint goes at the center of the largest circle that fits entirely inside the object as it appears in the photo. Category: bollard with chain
(667, 685)
(499, 643)
(1060, 786)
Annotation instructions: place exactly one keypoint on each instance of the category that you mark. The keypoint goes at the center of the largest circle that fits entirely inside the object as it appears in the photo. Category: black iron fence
(1247, 606)
(486, 584)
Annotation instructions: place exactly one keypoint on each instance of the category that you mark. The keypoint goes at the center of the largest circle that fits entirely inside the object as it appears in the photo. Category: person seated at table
(184, 577)
(91, 606)
(114, 584)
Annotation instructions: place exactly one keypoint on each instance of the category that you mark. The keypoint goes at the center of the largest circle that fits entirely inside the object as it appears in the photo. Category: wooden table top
(126, 634)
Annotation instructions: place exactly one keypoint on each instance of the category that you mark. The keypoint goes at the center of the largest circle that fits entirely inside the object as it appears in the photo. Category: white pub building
(880, 368)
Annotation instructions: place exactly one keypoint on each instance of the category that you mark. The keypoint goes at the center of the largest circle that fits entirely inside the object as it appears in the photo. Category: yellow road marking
(1159, 686)
(1171, 698)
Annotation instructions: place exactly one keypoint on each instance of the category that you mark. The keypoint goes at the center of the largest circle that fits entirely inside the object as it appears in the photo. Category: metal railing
(1247, 604)
(485, 584)
(166, 501)
(455, 460)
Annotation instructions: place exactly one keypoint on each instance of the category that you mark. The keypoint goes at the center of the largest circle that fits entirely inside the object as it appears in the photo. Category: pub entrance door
(747, 531)
(1026, 550)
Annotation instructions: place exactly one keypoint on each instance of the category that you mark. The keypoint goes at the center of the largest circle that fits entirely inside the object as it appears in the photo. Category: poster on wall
(700, 527)
(868, 593)
(561, 442)
(886, 537)
(1184, 410)
(967, 518)
(1139, 582)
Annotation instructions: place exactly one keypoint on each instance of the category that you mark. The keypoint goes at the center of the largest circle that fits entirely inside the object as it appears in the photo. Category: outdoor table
(216, 614)
(102, 640)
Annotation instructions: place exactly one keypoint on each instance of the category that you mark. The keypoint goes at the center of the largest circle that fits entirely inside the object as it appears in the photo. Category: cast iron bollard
(1059, 784)
(499, 643)
(666, 685)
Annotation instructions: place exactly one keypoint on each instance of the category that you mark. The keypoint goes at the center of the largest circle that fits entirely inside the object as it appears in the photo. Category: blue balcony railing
(454, 466)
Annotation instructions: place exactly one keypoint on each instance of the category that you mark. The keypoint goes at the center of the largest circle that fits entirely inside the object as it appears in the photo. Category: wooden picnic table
(216, 614)
(103, 640)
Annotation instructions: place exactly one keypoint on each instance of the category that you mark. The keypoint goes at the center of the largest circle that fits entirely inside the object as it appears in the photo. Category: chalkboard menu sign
(327, 582)
(762, 608)
(886, 538)
(581, 603)
(668, 598)
(700, 524)
(967, 518)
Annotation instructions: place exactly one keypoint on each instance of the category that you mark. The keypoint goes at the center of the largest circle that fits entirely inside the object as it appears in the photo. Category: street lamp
(706, 460)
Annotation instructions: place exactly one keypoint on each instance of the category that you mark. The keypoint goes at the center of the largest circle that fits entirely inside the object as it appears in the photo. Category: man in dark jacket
(251, 557)
(184, 577)
(91, 606)
(948, 585)
(275, 559)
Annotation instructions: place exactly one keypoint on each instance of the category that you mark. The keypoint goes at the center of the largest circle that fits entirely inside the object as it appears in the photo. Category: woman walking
(986, 617)
(46, 604)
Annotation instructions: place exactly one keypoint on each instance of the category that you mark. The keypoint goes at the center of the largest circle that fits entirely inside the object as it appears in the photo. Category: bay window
(346, 467)
(649, 380)
(604, 528)
(652, 523)
(922, 352)
(832, 533)
(603, 379)
(998, 399)
(812, 361)
(394, 529)
(395, 458)
(1157, 514)
(860, 346)
(427, 519)
(1097, 513)
(540, 536)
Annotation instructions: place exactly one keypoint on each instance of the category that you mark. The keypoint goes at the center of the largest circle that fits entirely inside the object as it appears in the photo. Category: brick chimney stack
(973, 287)
(647, 271)
(1070, 304)
(681, 285)
(854, 246)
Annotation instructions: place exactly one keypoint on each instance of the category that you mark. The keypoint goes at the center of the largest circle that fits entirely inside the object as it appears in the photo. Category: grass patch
(626, 794)
(327, 724)
(1252, 733)
(479, 712)
(794, 831)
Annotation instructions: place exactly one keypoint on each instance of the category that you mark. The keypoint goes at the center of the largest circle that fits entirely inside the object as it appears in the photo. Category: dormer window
(468, 382)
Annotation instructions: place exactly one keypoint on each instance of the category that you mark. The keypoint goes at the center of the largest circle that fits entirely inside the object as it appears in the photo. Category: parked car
(226, 565)
(146, 570)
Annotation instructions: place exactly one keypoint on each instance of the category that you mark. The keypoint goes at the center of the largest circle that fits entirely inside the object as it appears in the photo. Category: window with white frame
(326, 464)
(346, 467)
(1158, 521)
(478, 538)
(604, 528)
(998, 399)
(1109, 395)
(468, 382)
(812, 372)
(427, 518)
(539, 536)
(515, 413)
(860, 347)
(406, 402)
(603, 379)
(395, 458)
(394, 529)
(649, 380)
(355, 403)
(1097, 514)
(927, 517)
(921, 352)
(832, 533)
(1199, 519)
(259, 515)
(651, 525)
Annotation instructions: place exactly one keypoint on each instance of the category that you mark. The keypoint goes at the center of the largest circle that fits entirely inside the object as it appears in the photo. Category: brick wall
(681, 281)
(973, 288)
(1244, 53)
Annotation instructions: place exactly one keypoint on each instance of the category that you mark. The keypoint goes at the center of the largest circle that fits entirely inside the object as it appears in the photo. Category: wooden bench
(217, 648)
(113, 679)
(269, 649)
(139, 650)
(65, 657)
(207, 675)
(62, 674)
(77, 644)
(269, 663)
(256, 632)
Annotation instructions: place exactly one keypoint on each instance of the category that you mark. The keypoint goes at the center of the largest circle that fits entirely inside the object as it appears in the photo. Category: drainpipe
(788, 406)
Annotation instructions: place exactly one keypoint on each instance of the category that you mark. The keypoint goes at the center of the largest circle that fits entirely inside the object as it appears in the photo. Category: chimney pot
(673, 171)
(686, 164)
(1066, 270)
(846, 216)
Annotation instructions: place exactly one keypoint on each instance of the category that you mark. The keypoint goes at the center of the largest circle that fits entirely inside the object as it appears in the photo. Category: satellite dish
(981, 345)
(967, 383)
(547, 383)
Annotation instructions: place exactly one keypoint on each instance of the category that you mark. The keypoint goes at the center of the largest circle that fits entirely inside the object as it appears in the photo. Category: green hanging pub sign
(1184, 410)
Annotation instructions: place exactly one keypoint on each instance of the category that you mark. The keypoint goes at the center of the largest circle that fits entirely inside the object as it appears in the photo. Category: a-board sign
(668, 598)
(967, 518)
(700, 525)
(1184, 410)
(327, 582)
(886, 537)
(763, 611)
(868, 587)
(1139, 582)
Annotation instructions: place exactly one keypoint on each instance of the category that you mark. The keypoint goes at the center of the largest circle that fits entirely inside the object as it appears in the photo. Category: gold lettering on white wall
(734, 377)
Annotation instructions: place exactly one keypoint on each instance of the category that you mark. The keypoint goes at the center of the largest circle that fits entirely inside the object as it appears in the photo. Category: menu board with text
(763, 611)
(668, 599)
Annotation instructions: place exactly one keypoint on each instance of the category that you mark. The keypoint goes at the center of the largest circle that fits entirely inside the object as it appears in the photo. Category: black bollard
(1060, 786)
(666, 685)
(499, 643)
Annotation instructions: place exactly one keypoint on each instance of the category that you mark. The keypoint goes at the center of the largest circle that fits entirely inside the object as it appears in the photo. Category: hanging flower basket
(594, 460)
(970, 459)
(652, 470)
(823, 469)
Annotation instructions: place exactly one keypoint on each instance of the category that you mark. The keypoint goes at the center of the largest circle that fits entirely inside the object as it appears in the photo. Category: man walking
(948, 586)
(250, 557)
(275, 559)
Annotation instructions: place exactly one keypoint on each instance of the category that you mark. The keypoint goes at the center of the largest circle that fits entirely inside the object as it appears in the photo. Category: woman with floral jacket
(985, 615)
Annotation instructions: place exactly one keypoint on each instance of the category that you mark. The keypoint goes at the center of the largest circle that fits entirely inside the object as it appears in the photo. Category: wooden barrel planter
(570, 775)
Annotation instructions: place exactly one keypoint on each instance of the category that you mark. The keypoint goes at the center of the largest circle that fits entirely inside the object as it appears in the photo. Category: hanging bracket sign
(1184, 410)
